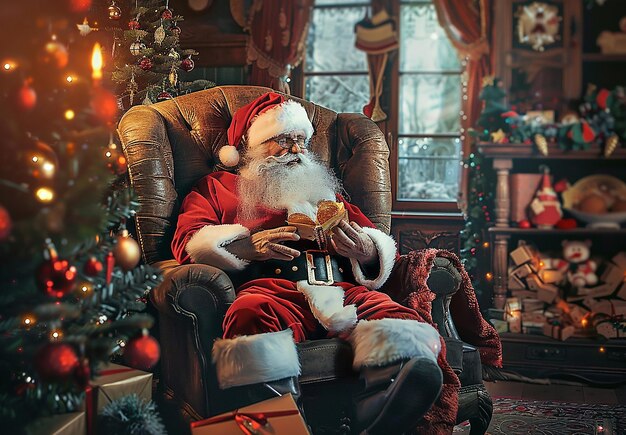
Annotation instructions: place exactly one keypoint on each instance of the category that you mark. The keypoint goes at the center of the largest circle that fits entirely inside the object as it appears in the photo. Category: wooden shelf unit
(504, 155)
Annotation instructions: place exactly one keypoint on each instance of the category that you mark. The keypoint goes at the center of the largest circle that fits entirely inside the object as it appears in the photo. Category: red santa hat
(264, 118)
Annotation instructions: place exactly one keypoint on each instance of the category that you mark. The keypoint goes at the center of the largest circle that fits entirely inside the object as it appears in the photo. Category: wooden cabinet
(563, 164)
(557, 73)
(591, 359)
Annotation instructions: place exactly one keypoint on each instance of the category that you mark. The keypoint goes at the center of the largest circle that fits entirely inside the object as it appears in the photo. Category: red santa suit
(270, 314)
(208, 222)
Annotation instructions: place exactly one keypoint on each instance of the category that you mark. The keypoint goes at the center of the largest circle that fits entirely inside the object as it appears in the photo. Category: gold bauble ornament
(126, 252)
(610, 145)
(542, 144)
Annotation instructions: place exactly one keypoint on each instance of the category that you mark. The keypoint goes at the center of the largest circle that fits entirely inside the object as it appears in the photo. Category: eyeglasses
(286, 142)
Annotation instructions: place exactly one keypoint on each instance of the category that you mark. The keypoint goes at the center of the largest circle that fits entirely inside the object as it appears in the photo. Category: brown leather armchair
(169, 146)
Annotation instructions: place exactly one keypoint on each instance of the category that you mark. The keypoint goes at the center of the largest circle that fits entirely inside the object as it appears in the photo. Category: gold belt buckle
(310, 268)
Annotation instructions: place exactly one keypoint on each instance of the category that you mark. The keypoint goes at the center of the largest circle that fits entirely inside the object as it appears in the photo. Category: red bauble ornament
(5, 224)
(55, 277)
(164, 96)
(167, 14)
(145, 63)
(134, 25)
(142, 352)
(26, 97)
(56, 362)
(524, 224)
(104, 105)
(187, 64)
(93, 267)
(80, 5)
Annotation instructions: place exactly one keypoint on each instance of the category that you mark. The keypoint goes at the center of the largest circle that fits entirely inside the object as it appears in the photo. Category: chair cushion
(324, 360)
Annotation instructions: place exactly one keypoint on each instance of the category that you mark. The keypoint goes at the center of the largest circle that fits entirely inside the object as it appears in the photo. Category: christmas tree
(71, 287)
(474, 239)
(147, 57)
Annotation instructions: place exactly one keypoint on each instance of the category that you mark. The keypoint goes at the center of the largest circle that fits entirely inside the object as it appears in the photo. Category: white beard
(271, 183)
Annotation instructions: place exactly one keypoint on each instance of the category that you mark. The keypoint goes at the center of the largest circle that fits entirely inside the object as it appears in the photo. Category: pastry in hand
(329, 214)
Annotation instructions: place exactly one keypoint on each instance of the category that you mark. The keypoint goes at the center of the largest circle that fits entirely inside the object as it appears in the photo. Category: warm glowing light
(542, 264)
(44, 194)
(486, 245)
(69, 79)
(108, 154)
(489, 276)
(56, 334)
(602, 349)
(8, 65)
(96, 62)
(584, 322)
(48, 169)
(29, 321)
(35, 159)
(121, 160)
(69, 114)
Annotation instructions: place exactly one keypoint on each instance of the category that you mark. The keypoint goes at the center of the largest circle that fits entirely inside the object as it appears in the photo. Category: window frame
(390, 101)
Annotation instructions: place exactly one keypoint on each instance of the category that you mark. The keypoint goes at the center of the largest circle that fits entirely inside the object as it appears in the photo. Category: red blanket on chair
(407, 284)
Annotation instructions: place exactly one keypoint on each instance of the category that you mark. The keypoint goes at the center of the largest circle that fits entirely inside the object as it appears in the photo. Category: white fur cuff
(380, 342)
(207, 246)
(386, 247)
(326, 303)
(252, 359)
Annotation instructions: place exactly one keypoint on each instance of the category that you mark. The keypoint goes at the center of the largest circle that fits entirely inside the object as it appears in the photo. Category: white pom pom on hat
(229, 156)
(264, 118)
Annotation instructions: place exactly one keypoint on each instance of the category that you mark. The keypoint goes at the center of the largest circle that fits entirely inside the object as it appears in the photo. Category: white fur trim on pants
(206, 246)
(287, 117)
(380, 342)
(252, 359)
(326, 303)
(386, 247)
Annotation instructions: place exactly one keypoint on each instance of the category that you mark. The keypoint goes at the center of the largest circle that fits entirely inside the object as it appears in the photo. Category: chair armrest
(191, 302)
(444, 281)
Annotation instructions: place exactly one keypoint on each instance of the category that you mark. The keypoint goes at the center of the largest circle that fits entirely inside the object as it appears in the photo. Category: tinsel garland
(130, 415)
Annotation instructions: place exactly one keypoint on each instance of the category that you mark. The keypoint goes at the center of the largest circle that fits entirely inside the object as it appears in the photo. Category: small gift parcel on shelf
(277, 416)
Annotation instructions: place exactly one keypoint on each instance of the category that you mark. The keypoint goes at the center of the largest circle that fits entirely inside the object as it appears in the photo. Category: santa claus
(291, 290)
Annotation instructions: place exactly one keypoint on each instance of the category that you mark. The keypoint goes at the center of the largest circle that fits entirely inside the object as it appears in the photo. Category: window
(422, 88)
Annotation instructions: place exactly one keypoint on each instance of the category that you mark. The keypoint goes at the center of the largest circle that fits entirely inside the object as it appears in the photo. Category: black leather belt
(316, 267)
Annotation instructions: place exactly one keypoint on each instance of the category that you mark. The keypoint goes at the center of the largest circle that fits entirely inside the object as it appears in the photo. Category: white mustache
(284, 159)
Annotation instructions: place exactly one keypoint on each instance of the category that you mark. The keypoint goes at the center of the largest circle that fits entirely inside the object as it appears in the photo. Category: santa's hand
(266, 245)
(349, 240)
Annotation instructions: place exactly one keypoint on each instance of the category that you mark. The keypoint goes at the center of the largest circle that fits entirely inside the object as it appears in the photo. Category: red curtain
(278, 31)
(468, 23)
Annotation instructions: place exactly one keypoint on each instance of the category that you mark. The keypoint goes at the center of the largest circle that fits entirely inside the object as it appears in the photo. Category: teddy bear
(575, 264)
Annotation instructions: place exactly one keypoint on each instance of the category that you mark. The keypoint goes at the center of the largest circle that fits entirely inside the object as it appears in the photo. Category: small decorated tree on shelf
(148, 62)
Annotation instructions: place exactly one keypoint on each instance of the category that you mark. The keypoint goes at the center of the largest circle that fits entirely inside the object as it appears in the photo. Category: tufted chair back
(170, 145)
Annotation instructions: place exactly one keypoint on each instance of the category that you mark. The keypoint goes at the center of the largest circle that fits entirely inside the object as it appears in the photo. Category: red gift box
(277, 416)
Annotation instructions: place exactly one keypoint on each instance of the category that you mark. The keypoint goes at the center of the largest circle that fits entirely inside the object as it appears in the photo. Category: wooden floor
(563, 393)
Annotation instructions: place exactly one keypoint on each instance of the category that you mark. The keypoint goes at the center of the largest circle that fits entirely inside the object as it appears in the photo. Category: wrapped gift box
(113, 382)
(73, 423)
(277, 416)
